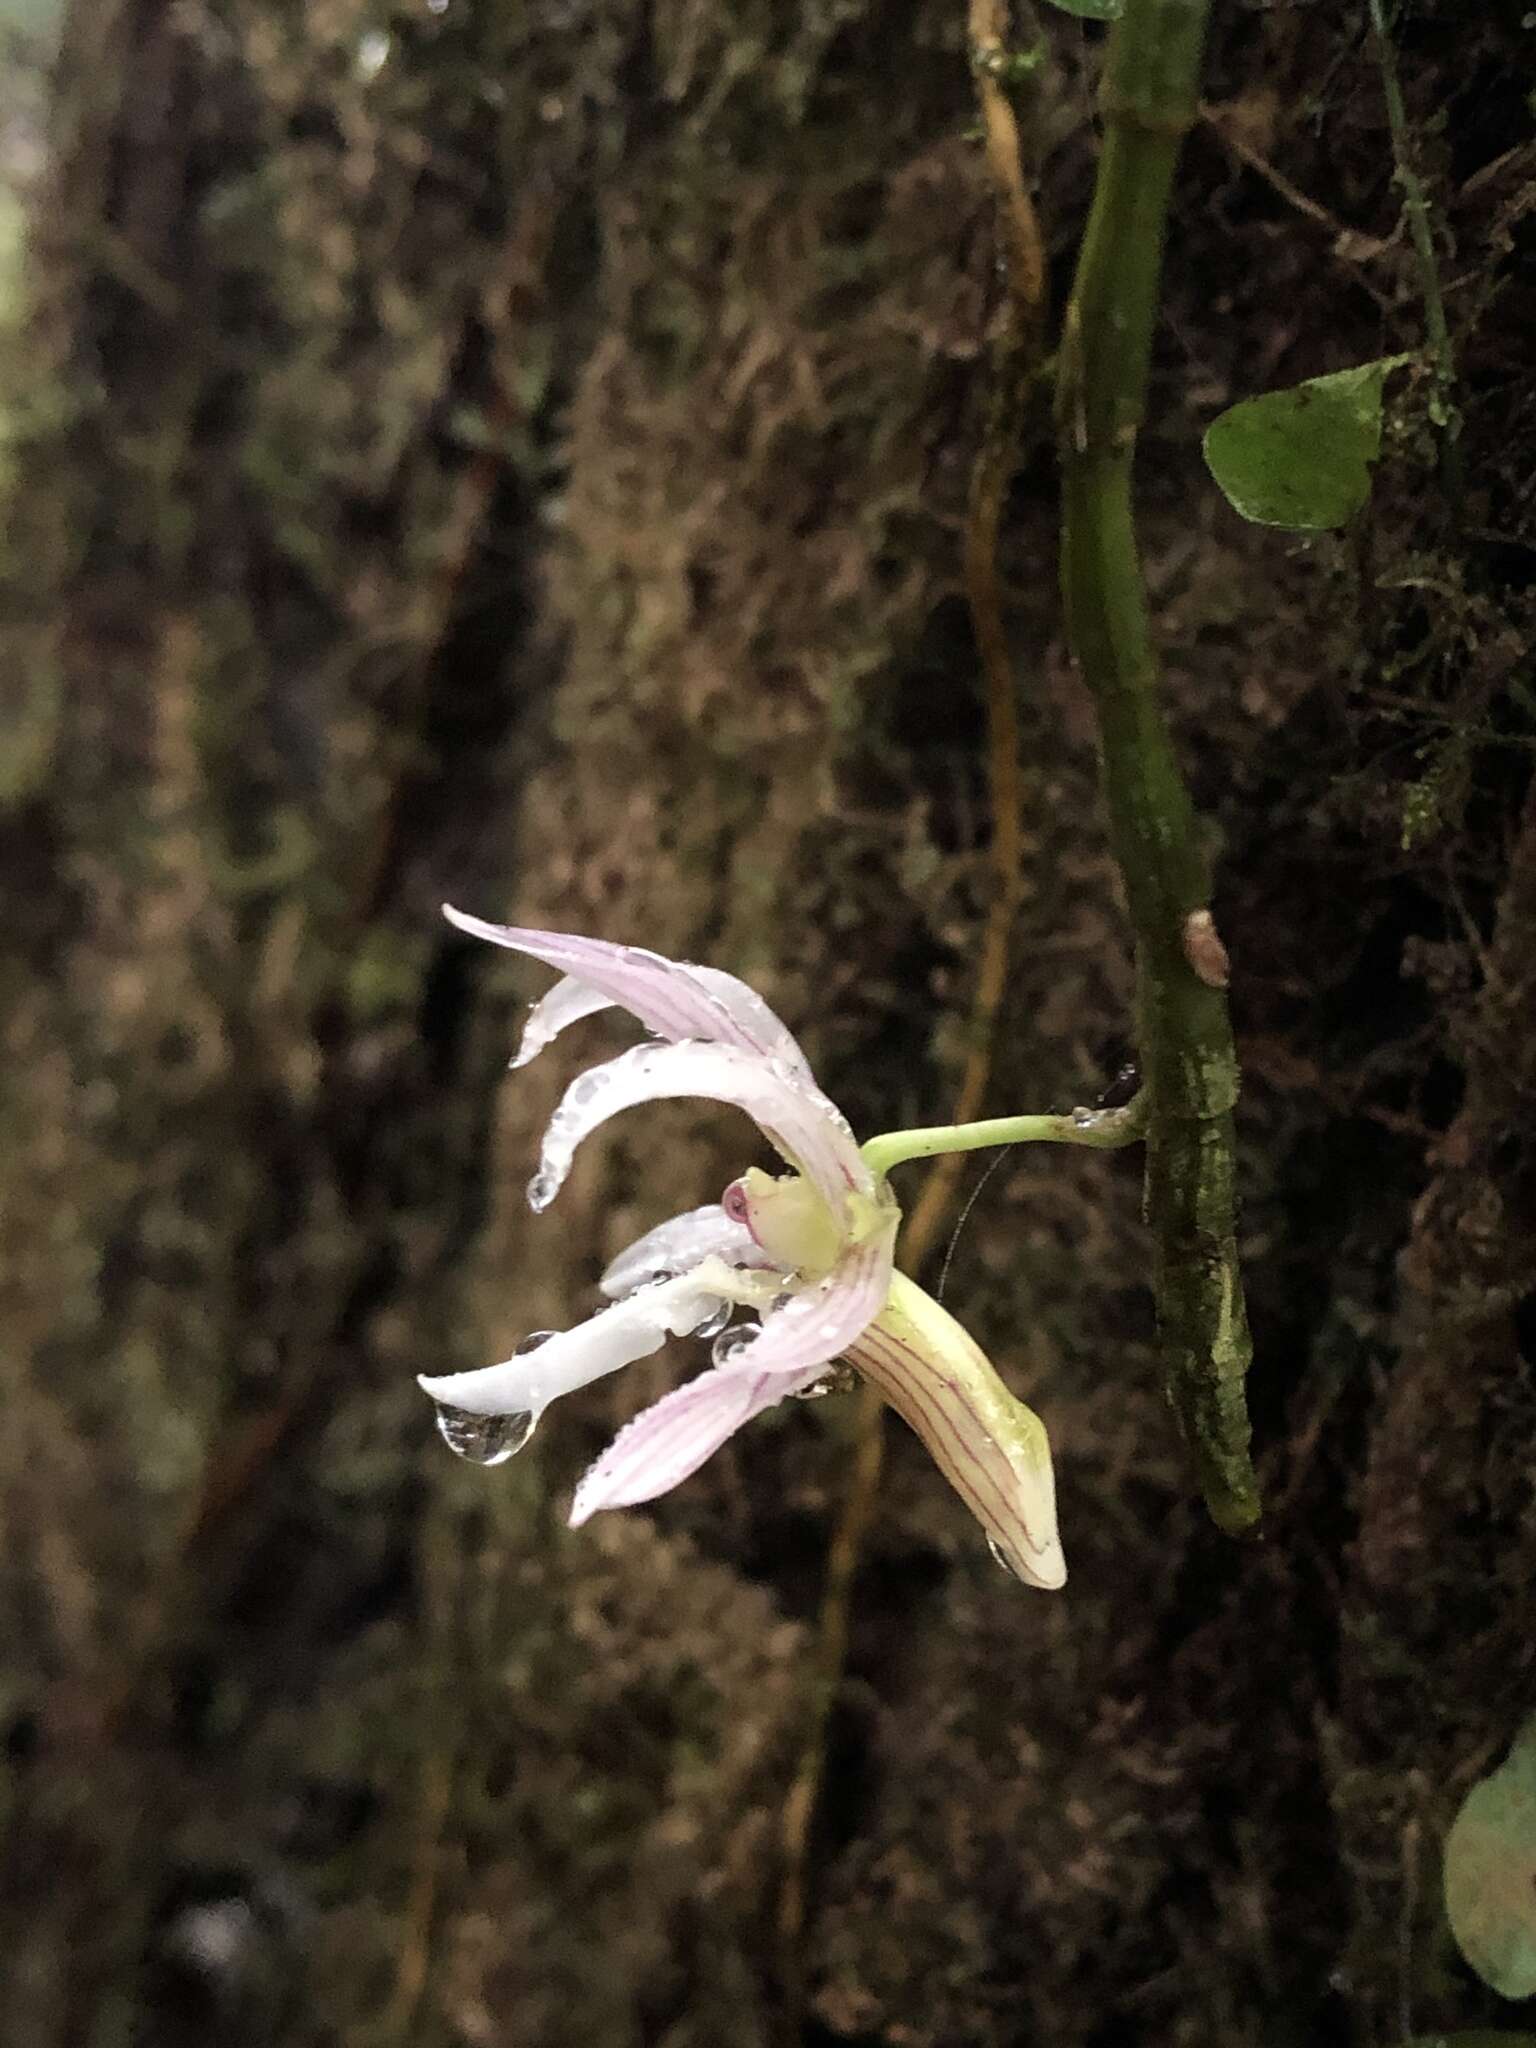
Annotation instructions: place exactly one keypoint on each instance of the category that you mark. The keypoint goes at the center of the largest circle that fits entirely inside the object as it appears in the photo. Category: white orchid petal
(820, 1322)
(764, 1030)
(789, 1109)
(614, 1337)
(670, 997)
(669, 1441)
(992, 1449)
(678, 1244)
(566, 1003)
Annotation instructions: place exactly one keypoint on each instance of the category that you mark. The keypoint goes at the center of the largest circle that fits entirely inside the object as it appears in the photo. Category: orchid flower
(802, 1260)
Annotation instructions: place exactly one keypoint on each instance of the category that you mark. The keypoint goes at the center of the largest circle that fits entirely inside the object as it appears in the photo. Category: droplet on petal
(542, 1190)
(717, 1319)
(532, 1341)
(730, 1344)
(1000, 1556)
(483, 1439)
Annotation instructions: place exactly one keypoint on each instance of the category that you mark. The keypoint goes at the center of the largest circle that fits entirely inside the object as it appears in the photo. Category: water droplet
(715, 1321)
(730, 1344)
(532, 1341)
(1000, 1556)
(657, 1277)
(1084, 1118)
(584, 1089)
(483, 1439)
(542, 1190)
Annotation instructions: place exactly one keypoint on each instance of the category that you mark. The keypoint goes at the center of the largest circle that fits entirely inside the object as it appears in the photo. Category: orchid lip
(616, 1336)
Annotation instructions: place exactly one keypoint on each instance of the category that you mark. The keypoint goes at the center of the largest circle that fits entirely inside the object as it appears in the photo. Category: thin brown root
(995, 464)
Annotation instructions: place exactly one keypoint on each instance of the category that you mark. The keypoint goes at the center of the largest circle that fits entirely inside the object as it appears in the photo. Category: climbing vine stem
(1188, 1064)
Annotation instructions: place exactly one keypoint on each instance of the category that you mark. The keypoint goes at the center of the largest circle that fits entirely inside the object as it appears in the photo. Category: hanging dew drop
(532, 1341)
(542, 1190)
(1000, 1556)
(715, 1321)
(483, 1439)
(730, 1344)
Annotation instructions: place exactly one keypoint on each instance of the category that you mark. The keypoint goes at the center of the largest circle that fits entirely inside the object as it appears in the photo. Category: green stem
(1416, 205)
(1105, 1129)
(1188, 1065)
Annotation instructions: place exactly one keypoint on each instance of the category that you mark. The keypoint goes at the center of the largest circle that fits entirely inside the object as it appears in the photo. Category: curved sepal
(991, 1448)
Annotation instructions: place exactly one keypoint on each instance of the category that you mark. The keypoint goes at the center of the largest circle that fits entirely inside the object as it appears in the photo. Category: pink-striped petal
(819, 1323)
(673, 998)
(790, 1110)
(668, 1442)
(678, 1244)
(992, 1448)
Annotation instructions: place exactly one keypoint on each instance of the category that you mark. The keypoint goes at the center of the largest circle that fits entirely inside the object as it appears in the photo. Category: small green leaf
(1092, 10)
(1490, 1872)
(1302, 458)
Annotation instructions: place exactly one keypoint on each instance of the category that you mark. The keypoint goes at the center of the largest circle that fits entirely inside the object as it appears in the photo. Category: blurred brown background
(518, 452)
